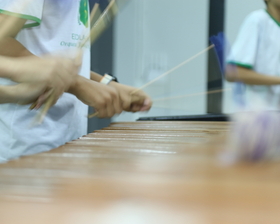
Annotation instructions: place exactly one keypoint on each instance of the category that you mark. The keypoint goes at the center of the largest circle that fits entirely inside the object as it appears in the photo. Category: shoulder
(256, 17)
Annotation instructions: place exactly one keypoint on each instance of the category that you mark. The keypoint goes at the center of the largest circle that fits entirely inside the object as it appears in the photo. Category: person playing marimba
(43, 27)
(256, 55)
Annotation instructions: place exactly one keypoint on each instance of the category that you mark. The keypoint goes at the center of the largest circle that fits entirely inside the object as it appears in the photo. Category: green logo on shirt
(84, 12)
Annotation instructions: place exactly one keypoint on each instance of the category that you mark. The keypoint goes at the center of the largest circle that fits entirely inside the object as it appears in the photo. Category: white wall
(236, 11)
(153, 36)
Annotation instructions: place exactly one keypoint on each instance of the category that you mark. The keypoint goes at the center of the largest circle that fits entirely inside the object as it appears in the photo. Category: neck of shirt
(274, 14)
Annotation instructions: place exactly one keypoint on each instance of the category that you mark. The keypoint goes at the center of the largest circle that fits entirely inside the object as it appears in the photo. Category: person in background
(256, 55)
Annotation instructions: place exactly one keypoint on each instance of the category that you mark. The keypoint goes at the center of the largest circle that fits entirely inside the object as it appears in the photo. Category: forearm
(9, 46)
(6, 67)
(12, 48)
(80, 82)
(95, 76)
(12, 68)
(251, 77)
(77, 86)
(6, 93)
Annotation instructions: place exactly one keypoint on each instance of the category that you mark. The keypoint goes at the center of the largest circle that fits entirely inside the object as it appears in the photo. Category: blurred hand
(25, 93)
(132, 102)
(39, 78)
(105, 99)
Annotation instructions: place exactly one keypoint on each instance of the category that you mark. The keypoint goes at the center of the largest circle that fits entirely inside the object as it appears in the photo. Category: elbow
(230, 77)
(230, 73)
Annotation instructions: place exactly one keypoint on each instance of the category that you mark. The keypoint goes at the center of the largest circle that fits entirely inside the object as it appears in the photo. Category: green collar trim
(36, 21)
(278, 23)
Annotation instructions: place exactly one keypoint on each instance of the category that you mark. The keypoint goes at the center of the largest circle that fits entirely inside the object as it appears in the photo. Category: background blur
(149, 37)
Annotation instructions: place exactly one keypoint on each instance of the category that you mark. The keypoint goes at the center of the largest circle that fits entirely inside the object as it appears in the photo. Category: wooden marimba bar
(145, 172)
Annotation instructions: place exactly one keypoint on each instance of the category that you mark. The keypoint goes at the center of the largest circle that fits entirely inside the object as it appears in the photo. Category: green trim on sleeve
(240, 64)
(277, 22)
(36, 20)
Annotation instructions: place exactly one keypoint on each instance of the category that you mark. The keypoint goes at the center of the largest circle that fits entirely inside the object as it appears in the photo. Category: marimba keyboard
(165, 170)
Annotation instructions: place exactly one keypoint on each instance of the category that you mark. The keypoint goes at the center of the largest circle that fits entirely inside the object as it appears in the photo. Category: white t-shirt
(52, 26)
(257, 47)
